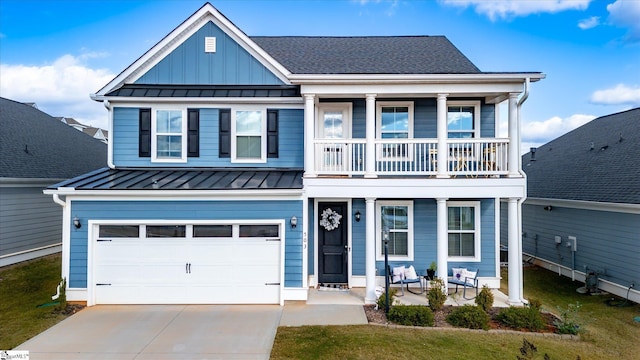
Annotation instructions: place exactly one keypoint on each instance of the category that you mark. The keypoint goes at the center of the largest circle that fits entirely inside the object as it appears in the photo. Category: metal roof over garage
(215, 91)
(185, 179)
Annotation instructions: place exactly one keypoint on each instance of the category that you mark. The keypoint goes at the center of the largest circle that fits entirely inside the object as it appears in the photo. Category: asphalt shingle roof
(367, 55)
(570, 168)
(36, 145)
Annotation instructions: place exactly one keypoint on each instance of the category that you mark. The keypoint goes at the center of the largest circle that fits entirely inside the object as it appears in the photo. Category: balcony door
(334, 125)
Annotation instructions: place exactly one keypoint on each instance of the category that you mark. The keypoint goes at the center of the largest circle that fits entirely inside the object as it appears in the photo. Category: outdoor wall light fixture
(358, 215)
(548, 208)
(76, 222)
(293, 222)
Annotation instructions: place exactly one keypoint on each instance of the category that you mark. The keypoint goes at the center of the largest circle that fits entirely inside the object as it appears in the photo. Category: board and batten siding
(28, 220)
(607, 242)
(189, 64)
(187, 210)
(290, 141)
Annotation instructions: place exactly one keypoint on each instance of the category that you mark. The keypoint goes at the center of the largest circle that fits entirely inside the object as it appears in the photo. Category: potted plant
(431, 271)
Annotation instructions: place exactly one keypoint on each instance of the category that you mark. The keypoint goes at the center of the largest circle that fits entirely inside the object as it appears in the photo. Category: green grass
(23, 287)
(610, 333)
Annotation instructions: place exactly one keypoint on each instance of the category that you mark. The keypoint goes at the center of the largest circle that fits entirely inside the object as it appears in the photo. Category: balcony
(412, 157)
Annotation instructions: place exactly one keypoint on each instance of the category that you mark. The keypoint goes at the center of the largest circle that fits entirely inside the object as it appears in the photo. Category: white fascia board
(586, 205)
(415, 188)
(182, 32)
(402, 89)
(414, 78)
(178, 194)
(202, 102)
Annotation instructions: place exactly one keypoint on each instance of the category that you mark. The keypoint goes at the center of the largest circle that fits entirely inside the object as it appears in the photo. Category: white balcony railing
(466, 157)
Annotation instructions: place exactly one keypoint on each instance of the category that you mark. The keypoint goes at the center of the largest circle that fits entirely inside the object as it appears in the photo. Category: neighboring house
(248, 169)
(582, 213)
(36, 151)
(100, 134)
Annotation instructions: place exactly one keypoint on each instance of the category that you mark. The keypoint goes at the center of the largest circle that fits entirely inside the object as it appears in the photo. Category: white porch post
(370, 131)
(370, 251)
(441, 123)
(514, 136)
(442, 247)
(309, 134)
(515, 256)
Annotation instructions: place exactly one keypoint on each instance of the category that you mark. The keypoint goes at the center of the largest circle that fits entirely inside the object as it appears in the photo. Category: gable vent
(209, 44)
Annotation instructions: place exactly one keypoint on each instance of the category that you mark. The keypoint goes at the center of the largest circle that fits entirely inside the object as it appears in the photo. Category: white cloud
(541, 132)
(495, 9)
(626, 14)
(61, 88)
(620, 94)
(589, 23)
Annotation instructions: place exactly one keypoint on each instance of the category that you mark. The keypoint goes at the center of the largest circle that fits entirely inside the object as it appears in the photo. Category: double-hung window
(463, 119)
(463, 230)
(395, 218)
(169, 138)
(249, 132)
(395, 123)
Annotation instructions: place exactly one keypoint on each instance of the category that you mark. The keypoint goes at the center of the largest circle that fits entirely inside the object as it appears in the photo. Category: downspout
(524, 175)
(107, 106)
(57, 200)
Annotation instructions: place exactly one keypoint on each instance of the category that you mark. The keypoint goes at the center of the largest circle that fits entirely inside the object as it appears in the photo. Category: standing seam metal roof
(185, 179)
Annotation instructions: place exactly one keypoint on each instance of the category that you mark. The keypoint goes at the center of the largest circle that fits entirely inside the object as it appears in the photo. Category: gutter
(107, 105)
(521, 201)
(57, 200)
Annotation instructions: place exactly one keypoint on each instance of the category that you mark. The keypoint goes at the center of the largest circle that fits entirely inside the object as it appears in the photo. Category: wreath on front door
(330, 219)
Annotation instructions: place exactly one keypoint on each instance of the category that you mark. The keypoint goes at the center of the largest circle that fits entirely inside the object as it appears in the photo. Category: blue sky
(56, 53)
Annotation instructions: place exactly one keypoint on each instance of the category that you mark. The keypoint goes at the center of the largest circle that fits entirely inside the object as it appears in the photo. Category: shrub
(485, 298)
(535, 303)
(469, 316)
(436, 295)
(521, 318)
(568, 323)
(411, 315)
(383, 298)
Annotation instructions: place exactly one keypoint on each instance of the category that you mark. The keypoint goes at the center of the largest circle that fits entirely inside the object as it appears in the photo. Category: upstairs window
(395, 122)
(248, 127)
(169, 140)
(463, 119)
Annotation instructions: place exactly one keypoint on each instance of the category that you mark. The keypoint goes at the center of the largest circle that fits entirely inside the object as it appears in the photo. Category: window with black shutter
(224, 142)
(272, 133)
(144, 137)
(193, 133)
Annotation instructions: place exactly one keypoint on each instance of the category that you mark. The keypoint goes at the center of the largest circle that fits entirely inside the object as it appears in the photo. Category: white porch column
(515, 256)
(441, 123)
(514, 136)
(370, 251)
(442, 242)
(309, 135)
(370, 131)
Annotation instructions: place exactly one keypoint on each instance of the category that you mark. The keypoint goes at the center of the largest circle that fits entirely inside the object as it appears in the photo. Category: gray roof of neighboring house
(367, 54)
(599, 162)
(186, 179)
(36, 145)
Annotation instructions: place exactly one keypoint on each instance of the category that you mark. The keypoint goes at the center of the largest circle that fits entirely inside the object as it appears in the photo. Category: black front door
(332, 242)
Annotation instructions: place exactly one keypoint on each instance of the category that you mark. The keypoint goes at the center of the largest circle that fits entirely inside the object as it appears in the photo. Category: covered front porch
(356, 296)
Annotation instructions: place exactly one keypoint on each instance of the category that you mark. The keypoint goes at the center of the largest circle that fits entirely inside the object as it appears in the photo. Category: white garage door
(187, 264)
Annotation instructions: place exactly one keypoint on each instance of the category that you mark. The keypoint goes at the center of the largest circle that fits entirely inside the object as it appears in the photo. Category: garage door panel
(187, 271)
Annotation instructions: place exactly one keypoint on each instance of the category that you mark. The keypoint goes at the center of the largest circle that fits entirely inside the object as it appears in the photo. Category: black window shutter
(193, 132)
(272, 133)
(224, 142)
(144, 137)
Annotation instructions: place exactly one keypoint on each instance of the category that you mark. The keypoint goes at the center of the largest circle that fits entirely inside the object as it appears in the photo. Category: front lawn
(23, 287)
(610, 333)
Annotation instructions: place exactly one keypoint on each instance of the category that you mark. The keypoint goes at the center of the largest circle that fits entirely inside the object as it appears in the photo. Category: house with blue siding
(247, 169)
(582, 214)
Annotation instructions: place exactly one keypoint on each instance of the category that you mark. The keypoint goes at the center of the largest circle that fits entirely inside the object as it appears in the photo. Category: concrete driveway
(161, 332)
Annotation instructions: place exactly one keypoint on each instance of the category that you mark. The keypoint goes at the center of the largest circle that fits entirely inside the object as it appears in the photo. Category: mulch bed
(379, 317)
